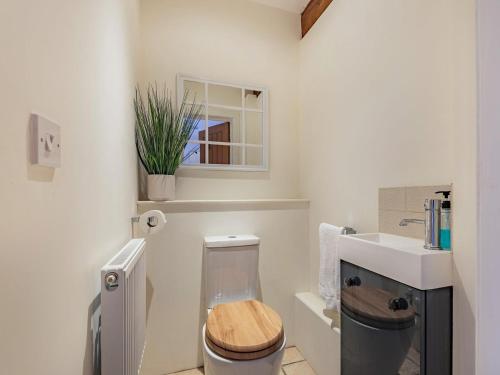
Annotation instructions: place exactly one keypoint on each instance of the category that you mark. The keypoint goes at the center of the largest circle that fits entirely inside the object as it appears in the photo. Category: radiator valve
(111, 280)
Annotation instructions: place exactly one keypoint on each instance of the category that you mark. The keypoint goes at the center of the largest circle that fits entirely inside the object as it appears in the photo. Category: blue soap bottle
(445, 230)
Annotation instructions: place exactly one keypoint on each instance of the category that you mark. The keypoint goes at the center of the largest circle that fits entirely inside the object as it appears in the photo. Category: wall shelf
(179, 206)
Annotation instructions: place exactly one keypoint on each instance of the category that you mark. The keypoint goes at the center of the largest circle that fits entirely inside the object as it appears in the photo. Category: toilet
(241, 336)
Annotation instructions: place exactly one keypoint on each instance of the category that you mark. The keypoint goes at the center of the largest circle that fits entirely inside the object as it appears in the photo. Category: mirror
(224, 95)
(232, 128)
(196, 91)
(253, 99)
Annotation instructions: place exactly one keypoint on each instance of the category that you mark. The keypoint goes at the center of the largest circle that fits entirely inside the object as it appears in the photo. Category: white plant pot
(161, 187)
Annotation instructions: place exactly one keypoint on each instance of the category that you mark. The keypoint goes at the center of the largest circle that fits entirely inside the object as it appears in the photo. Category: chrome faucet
(432, 223)
(405, 222)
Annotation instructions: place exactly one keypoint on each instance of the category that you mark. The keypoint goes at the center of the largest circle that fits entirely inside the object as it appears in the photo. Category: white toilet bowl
(217, 365)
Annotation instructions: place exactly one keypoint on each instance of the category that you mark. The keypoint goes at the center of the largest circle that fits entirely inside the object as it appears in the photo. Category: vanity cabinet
(390, 328)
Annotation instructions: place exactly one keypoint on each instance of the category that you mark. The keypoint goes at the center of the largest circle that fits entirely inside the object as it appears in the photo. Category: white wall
(177, 310)
(376, 107)
(236, 41)
(388, 99)
(464, 185)
(72, 62)
(488, 306)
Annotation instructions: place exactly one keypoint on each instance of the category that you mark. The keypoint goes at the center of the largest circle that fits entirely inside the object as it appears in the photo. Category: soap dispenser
(445, 231)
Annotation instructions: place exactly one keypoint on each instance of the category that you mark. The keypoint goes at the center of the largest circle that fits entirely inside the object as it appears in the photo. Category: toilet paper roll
(152, 221)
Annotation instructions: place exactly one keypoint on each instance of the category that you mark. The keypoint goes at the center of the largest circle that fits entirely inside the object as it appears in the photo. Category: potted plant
(162, 131)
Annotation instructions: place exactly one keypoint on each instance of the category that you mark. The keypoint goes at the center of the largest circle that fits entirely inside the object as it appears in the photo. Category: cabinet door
(381, 323)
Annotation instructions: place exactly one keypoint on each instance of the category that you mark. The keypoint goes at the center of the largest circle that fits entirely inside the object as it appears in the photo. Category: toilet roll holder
(152, 221)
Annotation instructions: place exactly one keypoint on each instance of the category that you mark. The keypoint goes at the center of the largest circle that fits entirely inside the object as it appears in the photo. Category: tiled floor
(293, 364)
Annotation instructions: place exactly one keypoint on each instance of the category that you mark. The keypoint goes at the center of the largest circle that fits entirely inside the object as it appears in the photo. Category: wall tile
(392, 199)
(389, 223)
(416, 196)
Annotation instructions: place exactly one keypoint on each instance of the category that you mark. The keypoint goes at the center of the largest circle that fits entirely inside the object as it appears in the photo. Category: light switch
(45, 142)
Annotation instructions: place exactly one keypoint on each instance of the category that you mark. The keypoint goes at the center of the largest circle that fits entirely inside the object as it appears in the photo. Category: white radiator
(123, 301)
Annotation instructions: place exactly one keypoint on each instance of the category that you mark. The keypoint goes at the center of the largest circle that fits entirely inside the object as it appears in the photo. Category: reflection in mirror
(192, 154)
(253, 99)
(218, 130)
(199, 127)
(224, 95)
(253, 128)
(254, 156)
(231, 131)
(223, 155)
(196, 91)
(199, 132)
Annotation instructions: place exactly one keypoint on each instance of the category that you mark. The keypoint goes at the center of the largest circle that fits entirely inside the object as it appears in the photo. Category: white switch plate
(45, 142)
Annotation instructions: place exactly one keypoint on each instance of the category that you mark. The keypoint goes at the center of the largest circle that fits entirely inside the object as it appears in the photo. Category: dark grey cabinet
(389, 328)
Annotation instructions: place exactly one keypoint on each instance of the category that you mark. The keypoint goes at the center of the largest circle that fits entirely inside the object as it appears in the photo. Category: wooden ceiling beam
(313, 11)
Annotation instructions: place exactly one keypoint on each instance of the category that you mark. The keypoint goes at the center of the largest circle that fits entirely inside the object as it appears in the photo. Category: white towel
(329, 265)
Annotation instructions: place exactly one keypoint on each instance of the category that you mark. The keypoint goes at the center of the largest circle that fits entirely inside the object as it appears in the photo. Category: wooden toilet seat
(244, 330)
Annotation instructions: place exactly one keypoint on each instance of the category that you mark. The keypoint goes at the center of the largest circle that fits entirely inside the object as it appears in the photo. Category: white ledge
(222, 205)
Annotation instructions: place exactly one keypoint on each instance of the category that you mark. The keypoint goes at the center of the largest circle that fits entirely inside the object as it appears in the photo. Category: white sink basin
(399, 258)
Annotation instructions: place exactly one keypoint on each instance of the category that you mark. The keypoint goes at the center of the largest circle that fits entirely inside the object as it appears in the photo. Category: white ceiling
(295, 6)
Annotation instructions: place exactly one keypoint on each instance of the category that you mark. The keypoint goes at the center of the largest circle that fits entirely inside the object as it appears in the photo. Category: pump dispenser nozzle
(446, 193)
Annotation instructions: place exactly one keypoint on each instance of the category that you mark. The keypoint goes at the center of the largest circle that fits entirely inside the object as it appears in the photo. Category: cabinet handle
(352, 281)
(396, 304)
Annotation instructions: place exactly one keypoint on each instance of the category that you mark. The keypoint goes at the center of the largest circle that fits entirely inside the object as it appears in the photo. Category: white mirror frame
(265, 123)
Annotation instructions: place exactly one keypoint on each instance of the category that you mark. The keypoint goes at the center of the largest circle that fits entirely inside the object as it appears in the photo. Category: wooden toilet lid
(244, 330)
